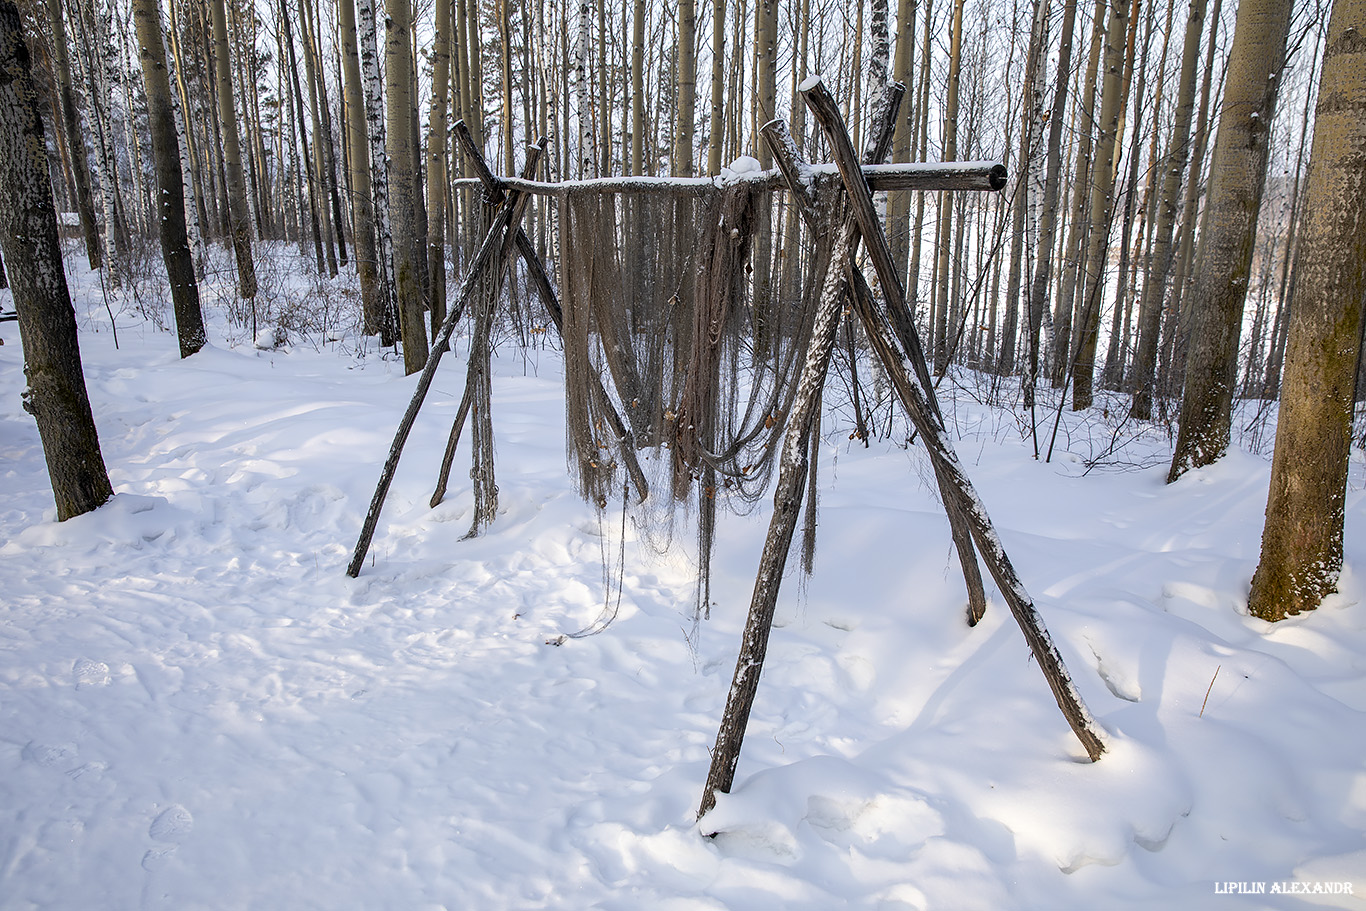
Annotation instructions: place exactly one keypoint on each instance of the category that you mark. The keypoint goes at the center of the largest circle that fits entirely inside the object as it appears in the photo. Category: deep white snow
(198, 709)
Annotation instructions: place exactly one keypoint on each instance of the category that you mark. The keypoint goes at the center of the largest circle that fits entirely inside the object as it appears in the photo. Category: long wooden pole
(496, 241)
(953, 481)
(787, 502)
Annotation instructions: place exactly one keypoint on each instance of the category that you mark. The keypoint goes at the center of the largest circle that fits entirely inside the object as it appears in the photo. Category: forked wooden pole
(494, 242)
(953, 481)
(790, 163)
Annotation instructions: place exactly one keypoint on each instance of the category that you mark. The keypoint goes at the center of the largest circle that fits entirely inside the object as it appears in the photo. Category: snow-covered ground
(198, 709)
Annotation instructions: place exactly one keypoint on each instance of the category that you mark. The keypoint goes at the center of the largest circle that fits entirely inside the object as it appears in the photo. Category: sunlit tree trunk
(1048, 221)
(1302, 542)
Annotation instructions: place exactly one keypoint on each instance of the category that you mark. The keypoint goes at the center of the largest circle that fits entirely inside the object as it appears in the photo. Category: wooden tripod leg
(787, 503)
(493, 243)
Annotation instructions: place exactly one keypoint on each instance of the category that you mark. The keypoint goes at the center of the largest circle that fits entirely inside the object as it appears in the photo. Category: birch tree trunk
(175, 245)
(1237, 177)
(1302, 542)
(56, 394)
(1048, 222)
(239, 217)
(379, 175)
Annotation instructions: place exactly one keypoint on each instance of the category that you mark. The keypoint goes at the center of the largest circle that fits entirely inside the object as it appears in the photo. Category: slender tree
(238, 214)
(75, 140)
(1102, 207)
(1302, 542)
(175, 243)
(1173, 170)
(398, 86)
(56, 394)
(436, 164)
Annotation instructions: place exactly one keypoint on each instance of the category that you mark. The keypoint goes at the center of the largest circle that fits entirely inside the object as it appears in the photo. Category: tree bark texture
(1237, 177)
(1302, 540)
(56, 394)
(175, 243)
(398, 87)
(369, 267)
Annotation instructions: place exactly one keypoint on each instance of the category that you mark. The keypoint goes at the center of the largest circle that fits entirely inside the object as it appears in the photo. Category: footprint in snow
(48, 755)
(173, 824)
(88, 673)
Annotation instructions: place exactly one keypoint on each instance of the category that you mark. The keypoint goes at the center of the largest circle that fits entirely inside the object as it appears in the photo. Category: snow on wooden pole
(494, 242)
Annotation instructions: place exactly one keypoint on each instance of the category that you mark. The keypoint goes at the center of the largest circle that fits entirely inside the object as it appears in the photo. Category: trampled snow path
(199, 710)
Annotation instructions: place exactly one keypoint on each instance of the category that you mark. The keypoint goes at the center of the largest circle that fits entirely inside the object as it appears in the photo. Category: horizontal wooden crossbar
(945, 175)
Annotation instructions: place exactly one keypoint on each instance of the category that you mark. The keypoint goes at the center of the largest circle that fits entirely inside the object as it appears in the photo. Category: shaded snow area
(199, 710)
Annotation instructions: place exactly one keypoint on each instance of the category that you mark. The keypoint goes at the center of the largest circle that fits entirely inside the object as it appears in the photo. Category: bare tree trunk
(941, 348)
(1072, 262)
(398, 59)
(175, 246)
(379, 178)
(327, 164)
(80, 170)
(238, 214)
(1032, 111)
(1237, 177)
(436, 164)
(903, 69)
(1302, 542)
(56, 394)
(1102, 205)
(716, 130)
(369, 266)
(687, 86)
(1173, 169)
(1038, 294)
(1171, 354)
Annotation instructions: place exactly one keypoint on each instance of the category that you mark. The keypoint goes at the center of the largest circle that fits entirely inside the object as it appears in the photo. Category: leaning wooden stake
(953, 481)
(787, 503)
(494, 242)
